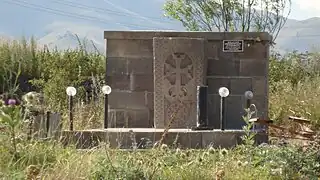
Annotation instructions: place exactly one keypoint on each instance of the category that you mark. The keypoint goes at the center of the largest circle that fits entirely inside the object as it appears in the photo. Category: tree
(230, 15)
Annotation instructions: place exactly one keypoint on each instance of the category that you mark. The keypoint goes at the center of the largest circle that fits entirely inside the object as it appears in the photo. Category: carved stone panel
(179, 65)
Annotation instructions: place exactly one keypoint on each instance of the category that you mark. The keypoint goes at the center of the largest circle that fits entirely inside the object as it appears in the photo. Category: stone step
(142, 138)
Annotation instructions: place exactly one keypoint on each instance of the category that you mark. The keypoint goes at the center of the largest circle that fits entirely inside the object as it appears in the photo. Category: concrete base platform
(142, 138)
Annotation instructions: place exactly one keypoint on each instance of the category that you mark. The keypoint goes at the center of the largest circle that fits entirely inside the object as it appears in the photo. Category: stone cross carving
(178, 66)
(178, 72)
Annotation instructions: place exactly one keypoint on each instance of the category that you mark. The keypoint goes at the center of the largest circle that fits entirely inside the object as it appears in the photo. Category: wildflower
(12, 102)
(220, 174)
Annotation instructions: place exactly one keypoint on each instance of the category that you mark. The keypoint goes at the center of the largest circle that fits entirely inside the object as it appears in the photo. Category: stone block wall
(130, 73)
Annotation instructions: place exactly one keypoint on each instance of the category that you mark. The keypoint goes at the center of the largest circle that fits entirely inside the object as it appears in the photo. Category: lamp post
(223, 92)
(71, 91)
(106, 90)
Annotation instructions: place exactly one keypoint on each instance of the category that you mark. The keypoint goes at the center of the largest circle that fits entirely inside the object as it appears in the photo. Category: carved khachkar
(178, 69)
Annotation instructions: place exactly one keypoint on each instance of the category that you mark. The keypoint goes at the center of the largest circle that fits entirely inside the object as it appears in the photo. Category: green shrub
(48, 71)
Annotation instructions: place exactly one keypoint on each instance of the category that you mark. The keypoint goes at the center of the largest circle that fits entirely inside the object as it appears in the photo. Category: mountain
(64, 36)
(55, 22)
(300, 35)
(59, 23)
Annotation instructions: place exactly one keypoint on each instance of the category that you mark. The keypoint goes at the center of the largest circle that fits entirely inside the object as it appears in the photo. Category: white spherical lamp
(106, 89)
(248, 94)
(71, 91)
(224, 92)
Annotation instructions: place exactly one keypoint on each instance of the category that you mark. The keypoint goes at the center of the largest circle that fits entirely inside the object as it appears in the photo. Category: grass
(294, 89)
(47, 161)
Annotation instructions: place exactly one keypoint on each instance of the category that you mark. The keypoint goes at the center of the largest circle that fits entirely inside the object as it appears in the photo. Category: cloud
(308, 4)
(304, 9)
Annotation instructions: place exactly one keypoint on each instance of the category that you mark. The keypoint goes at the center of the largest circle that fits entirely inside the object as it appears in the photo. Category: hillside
(55, 22)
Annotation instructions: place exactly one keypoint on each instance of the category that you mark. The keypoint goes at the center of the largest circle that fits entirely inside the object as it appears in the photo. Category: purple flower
(12, 102)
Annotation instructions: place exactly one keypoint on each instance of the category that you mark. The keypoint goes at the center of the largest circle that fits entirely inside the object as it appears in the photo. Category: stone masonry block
(253, 67)
(221, 139)
(139, 118)
(127, 65)
(119, 82)
(146, 139)
(117, 118)
(239, 85)
(129, 139)
(212, 49)
(190, 139)
(141, 83)
(258, 50)
(223, 67)
(226, 56)
(131, 82)
(150, 100)
(125, 99)
(117, 66)
(260, 85)
(129, 48)
(141, 65)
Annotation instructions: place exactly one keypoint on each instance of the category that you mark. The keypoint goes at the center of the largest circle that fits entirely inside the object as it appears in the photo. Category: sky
(304, 9)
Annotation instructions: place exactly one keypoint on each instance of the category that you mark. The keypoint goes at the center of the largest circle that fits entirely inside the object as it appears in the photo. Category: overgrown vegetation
(24, 67)
(294, 88)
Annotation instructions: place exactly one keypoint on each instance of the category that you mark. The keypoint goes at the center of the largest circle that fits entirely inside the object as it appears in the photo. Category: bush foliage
(25, 67)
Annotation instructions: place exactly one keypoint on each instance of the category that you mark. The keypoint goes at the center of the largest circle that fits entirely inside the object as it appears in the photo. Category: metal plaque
(233, 45)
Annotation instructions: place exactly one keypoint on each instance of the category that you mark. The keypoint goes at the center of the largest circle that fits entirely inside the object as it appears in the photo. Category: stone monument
(178, 69)
(154, 75)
